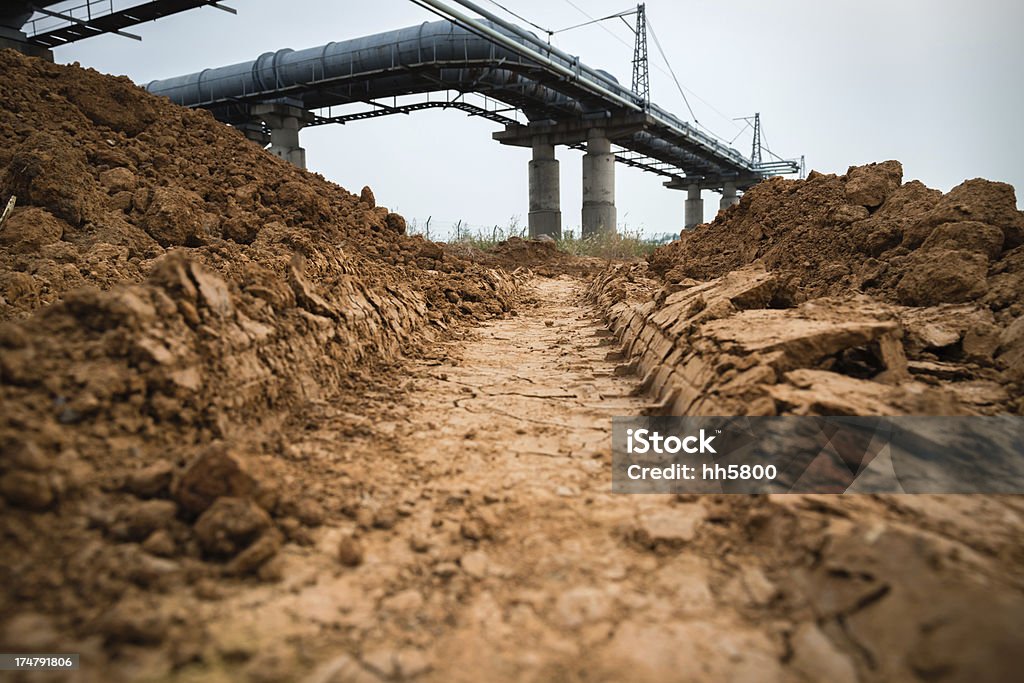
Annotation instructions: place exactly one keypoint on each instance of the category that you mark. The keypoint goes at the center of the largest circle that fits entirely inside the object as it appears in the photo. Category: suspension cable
(624, 13)
(766, 147)
(549, 32)
(657, 43)
(659, 68)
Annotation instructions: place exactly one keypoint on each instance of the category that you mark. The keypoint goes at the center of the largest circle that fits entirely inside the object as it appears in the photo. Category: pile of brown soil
(108, 178)
(868, 232)
(176, 299)
(949, 268)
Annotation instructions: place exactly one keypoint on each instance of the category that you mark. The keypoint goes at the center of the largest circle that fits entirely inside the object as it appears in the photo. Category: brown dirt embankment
(868, 232)
(175, 303)
(850, 295)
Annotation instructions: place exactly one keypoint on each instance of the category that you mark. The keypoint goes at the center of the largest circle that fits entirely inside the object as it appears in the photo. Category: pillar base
(293, 155)
(284, 121)
(545, 224)
(729, 197)
(598, 219)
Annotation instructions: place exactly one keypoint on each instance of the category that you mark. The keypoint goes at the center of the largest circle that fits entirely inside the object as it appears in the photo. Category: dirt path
(491, 547)
(542, 570)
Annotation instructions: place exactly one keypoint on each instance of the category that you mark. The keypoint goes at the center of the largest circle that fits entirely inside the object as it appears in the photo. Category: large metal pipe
(595, 74)
(685, 157)
(482, 59)
(571, 71)
(386, 59)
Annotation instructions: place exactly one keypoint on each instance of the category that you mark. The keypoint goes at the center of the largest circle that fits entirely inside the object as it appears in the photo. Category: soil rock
(176, 218)
(966, 236)
(118, 179)
(871, 185)
(667, 529)
(981, 201)
(350, 551)
(231, 525)
(30, 490)
(941, 276)
(137, 521)
(134, 620)
(366, 197)
(214, 473)
(396, 223)
(151, 481)
(28, 230)
(257, 554)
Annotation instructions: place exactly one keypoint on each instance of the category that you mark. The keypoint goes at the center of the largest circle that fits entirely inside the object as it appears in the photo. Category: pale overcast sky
(933, 83)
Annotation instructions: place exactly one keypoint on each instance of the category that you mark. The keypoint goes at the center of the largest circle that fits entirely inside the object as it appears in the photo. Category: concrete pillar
(545, 210)
(598, 185)
(729, 197)
(694, 208)
(284, 121)
(284, 139)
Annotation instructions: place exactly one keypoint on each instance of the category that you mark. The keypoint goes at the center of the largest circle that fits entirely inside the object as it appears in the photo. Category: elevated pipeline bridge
(478, 64)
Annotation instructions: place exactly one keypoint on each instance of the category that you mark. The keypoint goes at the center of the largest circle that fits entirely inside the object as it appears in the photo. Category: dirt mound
(867, 232)
(528, 252)
(955, 257)
(107, 178)
(176, 300)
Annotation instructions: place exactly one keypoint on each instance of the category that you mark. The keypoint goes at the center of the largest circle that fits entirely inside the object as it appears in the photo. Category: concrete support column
(545, 210)
(694, 208)
(285, 122)
(598, 185)
(729, 197)
(284, 139)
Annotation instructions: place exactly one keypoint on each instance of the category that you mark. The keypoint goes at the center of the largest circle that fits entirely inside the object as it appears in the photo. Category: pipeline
(433, 56)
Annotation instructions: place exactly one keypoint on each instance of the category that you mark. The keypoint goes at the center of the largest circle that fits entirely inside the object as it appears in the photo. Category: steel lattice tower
(641, 68)
(755, 154)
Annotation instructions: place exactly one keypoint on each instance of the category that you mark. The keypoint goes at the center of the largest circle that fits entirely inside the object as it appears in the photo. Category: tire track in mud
(533, 385)
(550, 586)
(490, 545)
(515, 561)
